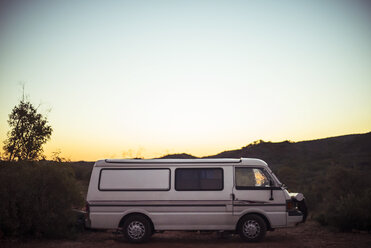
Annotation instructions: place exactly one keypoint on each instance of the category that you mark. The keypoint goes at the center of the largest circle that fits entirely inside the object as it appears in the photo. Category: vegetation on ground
(37, 200)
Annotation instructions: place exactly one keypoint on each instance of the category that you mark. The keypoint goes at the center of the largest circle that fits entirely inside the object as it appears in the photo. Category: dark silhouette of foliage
(29, 131)
(36, 199)
(346, 200)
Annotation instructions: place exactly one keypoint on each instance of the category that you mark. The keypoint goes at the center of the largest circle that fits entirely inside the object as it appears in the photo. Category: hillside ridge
(350, 144)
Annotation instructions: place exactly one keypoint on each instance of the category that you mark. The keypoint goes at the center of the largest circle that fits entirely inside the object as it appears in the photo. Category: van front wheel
(137, 229)
(252, 228)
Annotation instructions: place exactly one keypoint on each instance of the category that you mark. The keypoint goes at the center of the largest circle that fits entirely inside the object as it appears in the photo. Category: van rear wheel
(137, 229)
(252, 228)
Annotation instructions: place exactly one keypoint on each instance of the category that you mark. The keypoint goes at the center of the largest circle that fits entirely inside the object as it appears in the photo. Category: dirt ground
(309, 234)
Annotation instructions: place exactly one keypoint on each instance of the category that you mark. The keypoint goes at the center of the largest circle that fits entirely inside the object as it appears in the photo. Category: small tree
(29, 131)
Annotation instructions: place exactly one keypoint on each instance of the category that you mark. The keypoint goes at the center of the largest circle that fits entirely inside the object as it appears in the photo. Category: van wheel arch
(124, 218)
(269, 228)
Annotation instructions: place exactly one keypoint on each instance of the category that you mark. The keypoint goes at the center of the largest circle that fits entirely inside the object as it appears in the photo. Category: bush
(82, 170)
(37, 200)
(349, 212)
(347, 200)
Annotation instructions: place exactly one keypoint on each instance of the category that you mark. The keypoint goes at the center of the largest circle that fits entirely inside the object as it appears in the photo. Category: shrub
(82, 170)
(36, 200)
(349, 212)
(347, 200)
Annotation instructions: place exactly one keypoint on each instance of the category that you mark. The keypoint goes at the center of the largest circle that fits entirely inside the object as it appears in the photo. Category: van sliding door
(202, 200)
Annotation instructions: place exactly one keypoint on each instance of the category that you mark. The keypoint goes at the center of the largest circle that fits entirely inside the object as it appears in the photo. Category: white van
(142, 197)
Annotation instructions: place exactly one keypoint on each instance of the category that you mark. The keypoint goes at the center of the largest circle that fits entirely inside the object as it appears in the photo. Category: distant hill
(355, 150)
(301, 163)
(349, 150)
(179, 155)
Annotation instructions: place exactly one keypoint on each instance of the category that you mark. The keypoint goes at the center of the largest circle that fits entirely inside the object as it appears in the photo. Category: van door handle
(233, 197)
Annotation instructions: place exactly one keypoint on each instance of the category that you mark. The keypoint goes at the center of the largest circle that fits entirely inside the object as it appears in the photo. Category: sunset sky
(148, 78)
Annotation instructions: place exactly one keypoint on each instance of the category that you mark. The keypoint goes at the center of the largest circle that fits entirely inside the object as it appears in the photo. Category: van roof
(136, 162)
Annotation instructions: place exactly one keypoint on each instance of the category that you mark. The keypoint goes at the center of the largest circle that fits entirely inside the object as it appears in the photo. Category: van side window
(134, 179)
(250, 177)
(189, 179)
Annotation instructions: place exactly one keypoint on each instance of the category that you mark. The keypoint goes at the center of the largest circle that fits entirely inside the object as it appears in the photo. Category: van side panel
(168, 210)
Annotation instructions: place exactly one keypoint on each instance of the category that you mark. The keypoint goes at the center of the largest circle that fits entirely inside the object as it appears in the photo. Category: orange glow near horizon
(96, 151)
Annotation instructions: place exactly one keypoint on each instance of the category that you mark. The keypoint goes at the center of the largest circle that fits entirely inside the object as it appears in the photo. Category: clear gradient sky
(147, 78)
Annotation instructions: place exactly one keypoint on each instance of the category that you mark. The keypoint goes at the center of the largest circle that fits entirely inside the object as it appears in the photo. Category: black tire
(252, 228)
(137, 229)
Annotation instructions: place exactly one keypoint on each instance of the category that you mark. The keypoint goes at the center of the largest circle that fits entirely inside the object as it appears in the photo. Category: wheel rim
(251, 229)
(136, 230)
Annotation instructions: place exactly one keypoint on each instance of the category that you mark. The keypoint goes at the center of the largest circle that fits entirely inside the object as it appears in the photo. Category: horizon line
(207, 156)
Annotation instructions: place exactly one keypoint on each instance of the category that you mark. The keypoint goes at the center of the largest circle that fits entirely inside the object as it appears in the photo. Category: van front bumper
(294, 217)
